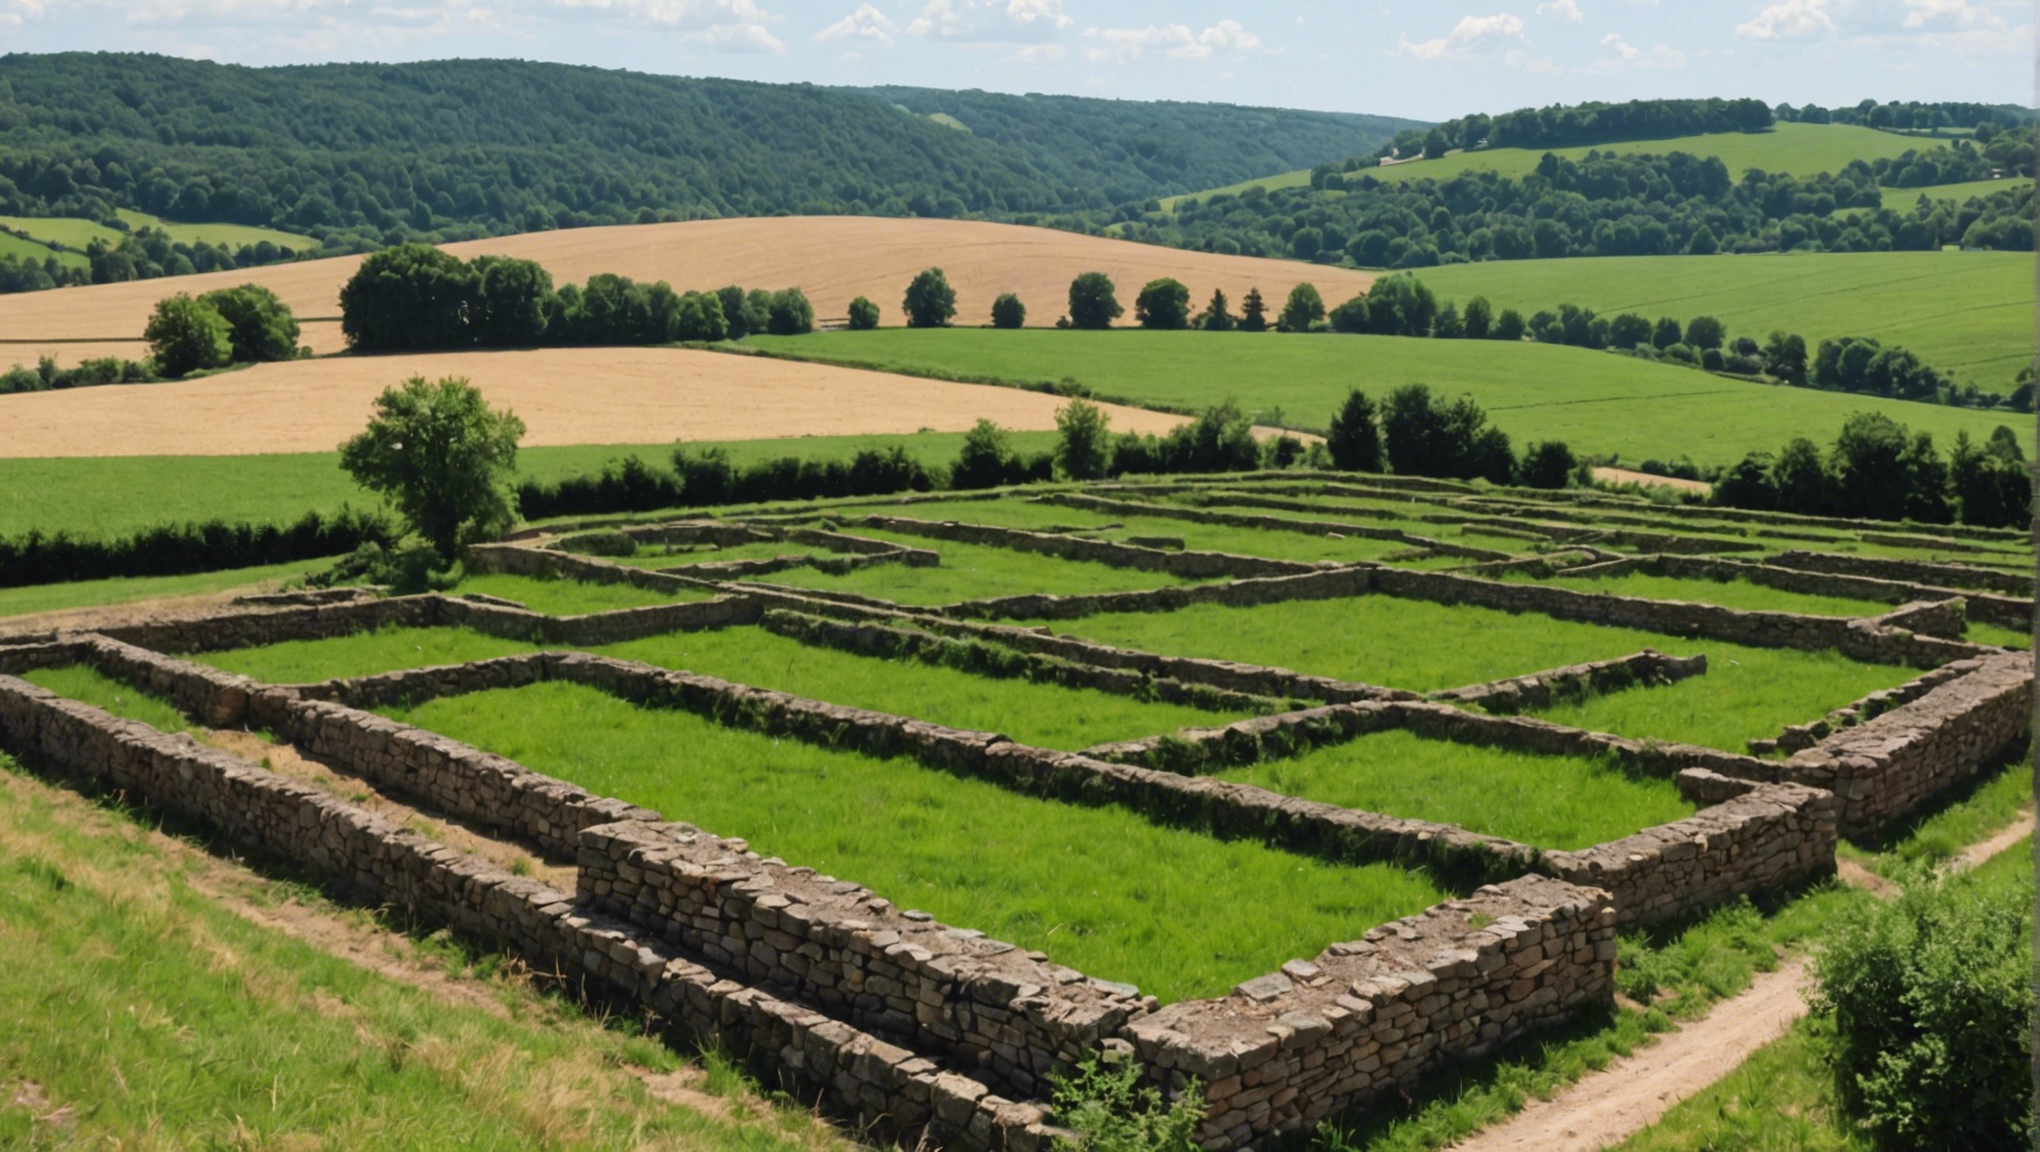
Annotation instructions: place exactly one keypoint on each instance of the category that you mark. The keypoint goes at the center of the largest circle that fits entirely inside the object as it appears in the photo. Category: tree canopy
(442, 457)
(1094, 302)
(930, 301)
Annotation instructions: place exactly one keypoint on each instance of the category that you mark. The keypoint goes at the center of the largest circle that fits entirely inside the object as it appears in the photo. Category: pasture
(1595, 401)
(1796, 149)
(1969, 314)
(75, 233)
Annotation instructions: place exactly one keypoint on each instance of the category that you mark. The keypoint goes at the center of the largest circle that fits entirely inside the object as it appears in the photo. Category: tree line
(1571, 126)
(1878, 469)
(418, 297)
(146, 254)
(1598, 205)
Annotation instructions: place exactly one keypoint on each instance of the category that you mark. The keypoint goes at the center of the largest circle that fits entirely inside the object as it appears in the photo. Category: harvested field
(564, 396)
(833, 259)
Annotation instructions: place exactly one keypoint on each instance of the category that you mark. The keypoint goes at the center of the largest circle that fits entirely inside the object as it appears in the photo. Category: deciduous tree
(930, 301)
(186, 335)
(1008, 311)
(443, 457)
(1094, 302)
(1163, 303)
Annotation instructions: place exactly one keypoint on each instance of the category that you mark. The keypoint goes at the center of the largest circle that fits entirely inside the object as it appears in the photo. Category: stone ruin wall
(1184, 565)
(1912, 571)
(889, 1090)
(1888, 765)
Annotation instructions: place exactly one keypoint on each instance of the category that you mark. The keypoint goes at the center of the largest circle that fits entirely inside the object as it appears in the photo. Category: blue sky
(1425, 61)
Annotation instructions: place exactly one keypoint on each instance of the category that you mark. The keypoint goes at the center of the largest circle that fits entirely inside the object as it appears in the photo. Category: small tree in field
(863, 315)
(1216, 317)
(260, 326)
(1354, 439)
(1305, 307)
(1084, 447)
(186, 335)
(443, 457)
(1253, 312)
(930, 301)
(1548, 464)
(1008, 312)
(1163, 303)
(1094, 302)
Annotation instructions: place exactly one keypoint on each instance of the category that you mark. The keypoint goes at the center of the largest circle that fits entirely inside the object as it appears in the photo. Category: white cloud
(1534, 65)
(740, 38)
(1788, 20)
(1569, 9)
(1038, 54)
(1470, 33)
(1957, 15)
(866, 23)
(14, 12)
(1623, 54)
(687, 14)
(991, 21)
(1227, 37)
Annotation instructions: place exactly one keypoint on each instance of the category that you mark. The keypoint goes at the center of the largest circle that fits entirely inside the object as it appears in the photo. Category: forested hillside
(447, 149)
(1137, 149)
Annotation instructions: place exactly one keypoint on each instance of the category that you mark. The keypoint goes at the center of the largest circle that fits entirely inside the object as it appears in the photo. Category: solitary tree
(1163, 303)
(1008, 311)
(186, 335)
(863, 315)
(1084, 446)
(443, 457)
(1094, 302)
(930, 301)
(1253, 312)
(1354, 441)
(1304, 308)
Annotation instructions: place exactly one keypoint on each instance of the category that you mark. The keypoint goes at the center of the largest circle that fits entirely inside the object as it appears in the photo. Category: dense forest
(373, 154)
(1169, 144)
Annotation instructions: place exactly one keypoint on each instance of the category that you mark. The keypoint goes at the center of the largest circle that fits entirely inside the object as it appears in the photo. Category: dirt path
(1629, 1095)
(1634, 1091)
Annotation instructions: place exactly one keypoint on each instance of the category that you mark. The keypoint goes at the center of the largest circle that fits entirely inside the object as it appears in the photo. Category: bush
(1008, 311)
(1083, 451)
(1931, 1006)
(987, 459)
(1354, 439)
(863, 315)
(790, 314)
(176, 549)
(1112, 1111)
(930, 301)
(1548, 464)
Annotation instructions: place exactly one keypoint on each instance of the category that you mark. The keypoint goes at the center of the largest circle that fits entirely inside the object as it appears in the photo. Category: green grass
(1727, 593)
(1100, 889)
(125, 590)
(15, 246)
(1747, 693)
(120, 494)
(1411, 644)
(566, 597)
(70, 231)
(361, 654)
(230, 235)
(972, 572)
(1799, 149)
(1275, 545)
(1969, 314)
(144, 1014)
(1901, 200)
(656, 556)
(1964, 815)
(1595, 401)
(1044, 715)
(1550, 802)
(1781, 1098)
(88, 685)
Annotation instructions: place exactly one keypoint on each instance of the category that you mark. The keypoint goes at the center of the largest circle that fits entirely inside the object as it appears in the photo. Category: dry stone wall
(1887, 766)
(1270, 524)
(1985, 607)
(1796, 737)
(1647, 668)
(1366, 1017)
(1184, 565)
(1010, 1014)
(1752, 837)
(889, 1090)
(2016, 584)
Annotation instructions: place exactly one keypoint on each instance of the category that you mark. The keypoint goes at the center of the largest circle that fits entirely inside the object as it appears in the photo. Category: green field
(12, 245)
(1727, 593)
(559, 597)
(1102, 890)
(1045, 715)
(75, 233)
(1551, 802)
(113, 495)
(144, 1013)
(1799, 149)
(1969, 314)
(1901, 200)
(1595, 401)
(972, 572)
(127, 590)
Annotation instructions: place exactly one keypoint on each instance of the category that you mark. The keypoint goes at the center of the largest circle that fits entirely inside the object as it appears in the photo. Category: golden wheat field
(832, 258)
(563, 395)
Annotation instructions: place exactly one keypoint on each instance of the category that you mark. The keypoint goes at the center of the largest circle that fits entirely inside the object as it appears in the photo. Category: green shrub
(1929, 996)
(1113, 1112)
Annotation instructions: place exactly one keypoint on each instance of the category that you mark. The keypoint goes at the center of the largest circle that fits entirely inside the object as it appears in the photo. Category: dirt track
(831, 258)
(563, 395)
